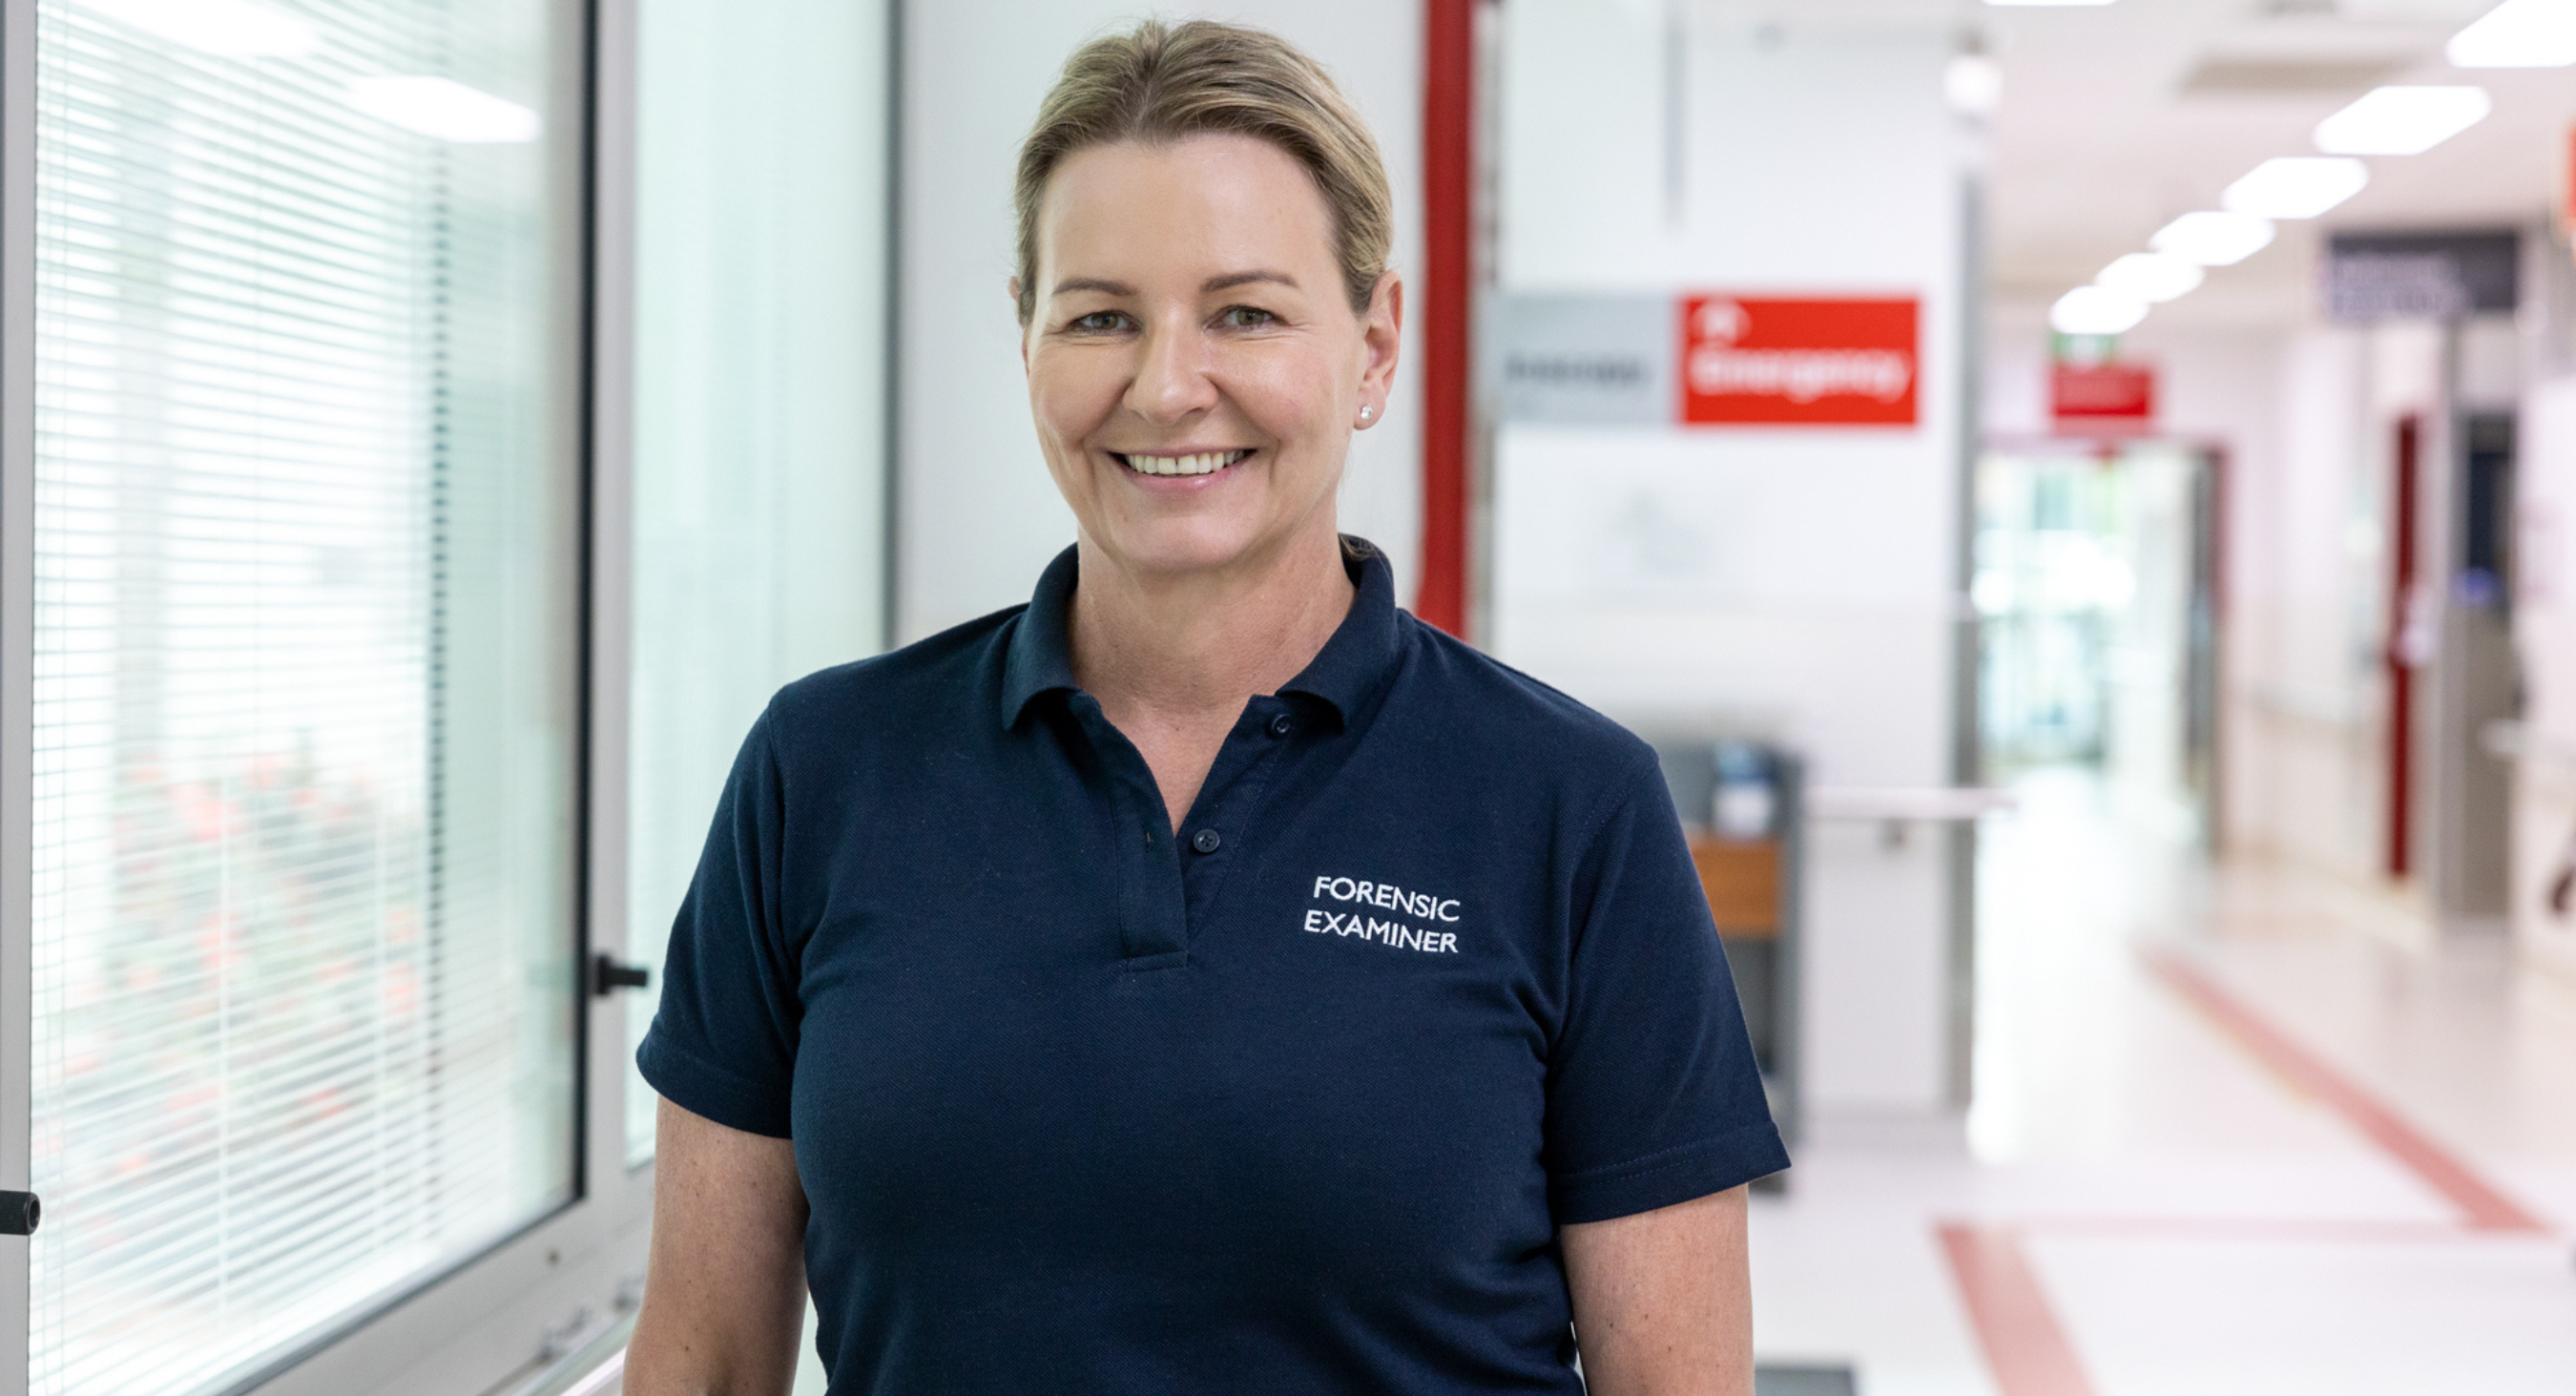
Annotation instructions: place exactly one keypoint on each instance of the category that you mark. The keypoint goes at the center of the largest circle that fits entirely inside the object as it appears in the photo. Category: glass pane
(304, 986)
(759, 419)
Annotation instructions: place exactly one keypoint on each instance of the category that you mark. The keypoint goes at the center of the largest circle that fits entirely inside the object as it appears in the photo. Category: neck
(1199, 644)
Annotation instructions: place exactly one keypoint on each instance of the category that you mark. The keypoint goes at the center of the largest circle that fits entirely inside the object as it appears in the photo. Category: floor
(2235, 1132)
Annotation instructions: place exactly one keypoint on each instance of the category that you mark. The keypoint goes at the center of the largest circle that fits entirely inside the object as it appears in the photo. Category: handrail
(2516, 741)
(1907, 804)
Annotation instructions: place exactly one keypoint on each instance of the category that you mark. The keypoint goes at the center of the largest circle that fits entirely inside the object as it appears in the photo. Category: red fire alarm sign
(1755, 361)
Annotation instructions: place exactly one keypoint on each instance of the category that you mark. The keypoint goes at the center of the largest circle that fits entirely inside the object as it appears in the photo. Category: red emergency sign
(1755, 361)
(2097, 397)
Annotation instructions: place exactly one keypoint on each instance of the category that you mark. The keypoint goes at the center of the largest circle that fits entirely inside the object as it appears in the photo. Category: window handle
(608, 975)
(19, 1213)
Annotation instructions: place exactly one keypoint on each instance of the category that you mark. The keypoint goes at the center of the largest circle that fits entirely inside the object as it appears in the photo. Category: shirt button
(1206, 840)
(1282, 725)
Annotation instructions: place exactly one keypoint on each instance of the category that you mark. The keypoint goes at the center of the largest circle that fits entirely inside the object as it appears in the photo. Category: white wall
(1794, 584)
(978, 516)
(2545, 632)
(2314, 698)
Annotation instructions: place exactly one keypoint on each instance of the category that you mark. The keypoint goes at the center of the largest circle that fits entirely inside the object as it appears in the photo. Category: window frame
(496, 1318)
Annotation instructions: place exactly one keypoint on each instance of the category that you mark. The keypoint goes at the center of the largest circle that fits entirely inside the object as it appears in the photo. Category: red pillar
(2401, 673)
(1448, 212)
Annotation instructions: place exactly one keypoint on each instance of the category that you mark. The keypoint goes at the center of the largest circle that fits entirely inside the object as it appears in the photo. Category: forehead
(1202, 203)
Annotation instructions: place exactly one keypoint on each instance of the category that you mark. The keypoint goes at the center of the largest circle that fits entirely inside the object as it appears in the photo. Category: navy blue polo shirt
(1290, 1099)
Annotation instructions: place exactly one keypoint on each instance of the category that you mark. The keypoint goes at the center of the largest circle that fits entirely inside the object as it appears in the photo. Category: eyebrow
(1213, 284)
(1246, 278)
(1093, 283)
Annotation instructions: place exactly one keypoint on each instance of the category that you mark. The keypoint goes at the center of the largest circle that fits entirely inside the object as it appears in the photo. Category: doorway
(2095, 589)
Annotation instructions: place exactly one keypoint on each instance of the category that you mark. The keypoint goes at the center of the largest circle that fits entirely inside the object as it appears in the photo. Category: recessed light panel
(2518, 34)
(2402, 120)
(2213, 239)
(2150, 276)
(2095, 310)
(2296, 186)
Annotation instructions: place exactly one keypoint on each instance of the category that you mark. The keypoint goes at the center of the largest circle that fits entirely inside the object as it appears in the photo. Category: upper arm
(724, 1036)
(1653, 1094)
(1663, 1300)
(724, 1300)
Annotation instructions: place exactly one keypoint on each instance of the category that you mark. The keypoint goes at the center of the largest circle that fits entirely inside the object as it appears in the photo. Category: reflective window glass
(305, 643)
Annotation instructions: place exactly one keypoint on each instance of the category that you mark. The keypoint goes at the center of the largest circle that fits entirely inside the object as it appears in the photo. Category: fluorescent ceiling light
(2403, 120)
(2095, 310)
(2296, 186)
(2213, 239)
(2518, 34)
(2034, 4)
(224, 28)
(445, 109)
(2150, 276)
(1974, 83)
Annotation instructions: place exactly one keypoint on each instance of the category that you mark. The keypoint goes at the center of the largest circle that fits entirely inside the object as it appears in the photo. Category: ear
(1381, 343)
(1013, 286)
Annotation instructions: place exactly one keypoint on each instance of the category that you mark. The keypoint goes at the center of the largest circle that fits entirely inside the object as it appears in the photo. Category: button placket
(1152, 920)
(1220, 822)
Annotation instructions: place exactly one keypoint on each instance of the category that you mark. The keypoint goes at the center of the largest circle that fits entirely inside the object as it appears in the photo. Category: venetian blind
(303, 966)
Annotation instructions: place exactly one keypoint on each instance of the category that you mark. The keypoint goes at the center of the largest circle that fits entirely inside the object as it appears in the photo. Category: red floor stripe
(2027, 1351)
(2331, 1231)
(2486, 1208)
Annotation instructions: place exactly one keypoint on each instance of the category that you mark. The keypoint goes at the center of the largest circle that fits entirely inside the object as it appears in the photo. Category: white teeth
(1204, 463)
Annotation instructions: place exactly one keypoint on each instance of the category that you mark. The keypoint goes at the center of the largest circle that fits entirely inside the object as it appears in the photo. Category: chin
(1178, 545)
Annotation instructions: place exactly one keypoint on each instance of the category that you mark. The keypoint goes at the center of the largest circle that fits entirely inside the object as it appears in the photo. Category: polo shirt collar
(1041, 654)
(1352, 665)
(1345, 673)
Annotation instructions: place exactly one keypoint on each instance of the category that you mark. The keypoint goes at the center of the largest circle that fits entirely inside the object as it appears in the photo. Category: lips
(1194, 463)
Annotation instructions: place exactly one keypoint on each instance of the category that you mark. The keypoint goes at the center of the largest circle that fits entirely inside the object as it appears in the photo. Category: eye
(1098, 322)
(1245, 317)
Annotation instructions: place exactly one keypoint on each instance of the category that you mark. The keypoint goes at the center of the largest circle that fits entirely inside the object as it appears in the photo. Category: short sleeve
(723, 1043)
(1653, 1094)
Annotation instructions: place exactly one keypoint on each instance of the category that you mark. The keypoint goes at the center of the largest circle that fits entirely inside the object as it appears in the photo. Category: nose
(1171, 381)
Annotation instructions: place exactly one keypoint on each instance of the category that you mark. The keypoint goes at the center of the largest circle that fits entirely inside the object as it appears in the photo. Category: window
(305, 672)
(760, 327)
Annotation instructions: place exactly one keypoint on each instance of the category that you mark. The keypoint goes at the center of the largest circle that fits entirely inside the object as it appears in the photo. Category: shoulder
(1490, 712)
(908, 690)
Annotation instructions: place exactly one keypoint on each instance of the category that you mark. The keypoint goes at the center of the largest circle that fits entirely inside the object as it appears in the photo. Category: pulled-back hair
(1158, 83)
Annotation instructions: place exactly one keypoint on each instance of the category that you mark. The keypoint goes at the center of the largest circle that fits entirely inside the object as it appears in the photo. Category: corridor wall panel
(1795, 584)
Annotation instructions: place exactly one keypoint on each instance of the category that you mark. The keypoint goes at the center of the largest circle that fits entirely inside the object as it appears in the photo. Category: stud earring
(1367, 412)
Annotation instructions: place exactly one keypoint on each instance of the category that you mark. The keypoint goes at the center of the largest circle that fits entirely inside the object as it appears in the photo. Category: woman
(1207, 977)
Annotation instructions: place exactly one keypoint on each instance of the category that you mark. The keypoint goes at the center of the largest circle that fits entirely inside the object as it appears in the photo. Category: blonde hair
(1158, 83)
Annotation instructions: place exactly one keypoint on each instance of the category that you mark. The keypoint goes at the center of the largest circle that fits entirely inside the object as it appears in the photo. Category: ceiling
(2115, 119)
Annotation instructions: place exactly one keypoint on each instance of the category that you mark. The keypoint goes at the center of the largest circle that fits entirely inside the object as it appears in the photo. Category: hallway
(2241, 1131)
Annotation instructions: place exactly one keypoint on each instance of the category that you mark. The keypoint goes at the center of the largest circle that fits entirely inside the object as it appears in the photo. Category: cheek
(1291, 397)
(1072, 394)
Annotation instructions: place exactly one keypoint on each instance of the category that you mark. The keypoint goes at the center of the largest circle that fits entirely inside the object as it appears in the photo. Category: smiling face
(1194, 364)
